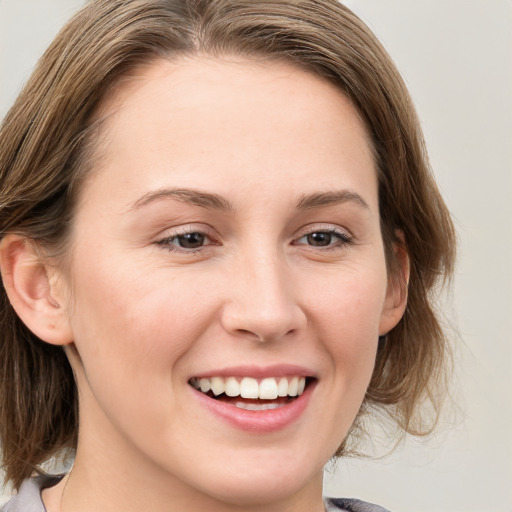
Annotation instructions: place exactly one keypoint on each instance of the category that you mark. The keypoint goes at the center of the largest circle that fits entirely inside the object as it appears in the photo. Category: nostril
(251, 334)
(260, 337)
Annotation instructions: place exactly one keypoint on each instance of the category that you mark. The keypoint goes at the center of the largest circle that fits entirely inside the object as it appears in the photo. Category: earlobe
(397, 292)
(31, 292)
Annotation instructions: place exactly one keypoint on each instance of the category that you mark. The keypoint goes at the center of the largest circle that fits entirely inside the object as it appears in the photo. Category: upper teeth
(247, 387)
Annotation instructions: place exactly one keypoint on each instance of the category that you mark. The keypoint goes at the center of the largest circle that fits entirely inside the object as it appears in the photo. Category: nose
(261, 300)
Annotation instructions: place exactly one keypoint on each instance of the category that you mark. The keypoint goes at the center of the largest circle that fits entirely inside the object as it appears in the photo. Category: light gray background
(456, 56)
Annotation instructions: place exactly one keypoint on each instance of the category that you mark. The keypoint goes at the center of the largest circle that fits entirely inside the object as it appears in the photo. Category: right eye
(186, 241)
(190, 240)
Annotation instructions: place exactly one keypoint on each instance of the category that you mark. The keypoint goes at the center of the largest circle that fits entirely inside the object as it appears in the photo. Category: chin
(250, 489)
(270, 476)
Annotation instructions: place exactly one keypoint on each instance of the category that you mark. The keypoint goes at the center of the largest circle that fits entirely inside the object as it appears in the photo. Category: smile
(269, 388)
(257, 400)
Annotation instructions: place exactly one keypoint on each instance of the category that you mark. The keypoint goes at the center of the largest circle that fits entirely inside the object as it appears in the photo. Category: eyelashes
(193, 241)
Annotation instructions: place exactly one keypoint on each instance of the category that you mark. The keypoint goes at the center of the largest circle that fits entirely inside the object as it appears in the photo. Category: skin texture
(139, 315)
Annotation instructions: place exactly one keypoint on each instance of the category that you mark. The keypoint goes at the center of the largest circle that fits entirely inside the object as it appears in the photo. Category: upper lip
(258, 372)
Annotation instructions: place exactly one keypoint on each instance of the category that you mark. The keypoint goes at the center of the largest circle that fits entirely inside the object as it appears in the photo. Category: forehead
(210, 118)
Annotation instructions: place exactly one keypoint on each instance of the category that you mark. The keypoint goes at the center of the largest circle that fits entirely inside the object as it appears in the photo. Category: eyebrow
(217, 202)
(185, 195)
(319, 199)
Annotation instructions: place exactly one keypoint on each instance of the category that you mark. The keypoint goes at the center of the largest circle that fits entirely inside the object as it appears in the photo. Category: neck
(112, 491)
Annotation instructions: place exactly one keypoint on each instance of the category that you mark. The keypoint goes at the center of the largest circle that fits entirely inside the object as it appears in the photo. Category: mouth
(253, 394)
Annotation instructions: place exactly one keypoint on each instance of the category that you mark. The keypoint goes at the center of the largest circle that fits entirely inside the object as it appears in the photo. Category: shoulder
(28, 498)
(351, 505)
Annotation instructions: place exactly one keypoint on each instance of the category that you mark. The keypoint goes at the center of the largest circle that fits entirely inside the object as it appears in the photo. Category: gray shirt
(29, 499)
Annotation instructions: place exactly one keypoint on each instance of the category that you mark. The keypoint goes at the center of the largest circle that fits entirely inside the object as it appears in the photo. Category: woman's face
(229, 238)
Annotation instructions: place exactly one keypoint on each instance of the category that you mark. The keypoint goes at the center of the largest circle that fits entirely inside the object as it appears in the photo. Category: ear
(32, 288)
(396, 294)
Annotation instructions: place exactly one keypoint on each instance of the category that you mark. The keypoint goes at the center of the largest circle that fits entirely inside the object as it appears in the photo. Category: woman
(219, 239)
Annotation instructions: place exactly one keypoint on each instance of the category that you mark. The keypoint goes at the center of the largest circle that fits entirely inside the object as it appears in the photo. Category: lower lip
(266, 421)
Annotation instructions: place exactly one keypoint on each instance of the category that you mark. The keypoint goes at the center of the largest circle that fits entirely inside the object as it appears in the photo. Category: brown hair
(44, 152)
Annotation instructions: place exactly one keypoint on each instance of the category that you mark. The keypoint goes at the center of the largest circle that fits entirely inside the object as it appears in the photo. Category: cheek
(134, 316)
(346, 317)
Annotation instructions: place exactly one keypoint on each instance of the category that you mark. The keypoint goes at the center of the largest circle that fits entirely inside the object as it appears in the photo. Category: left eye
(323, 239)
